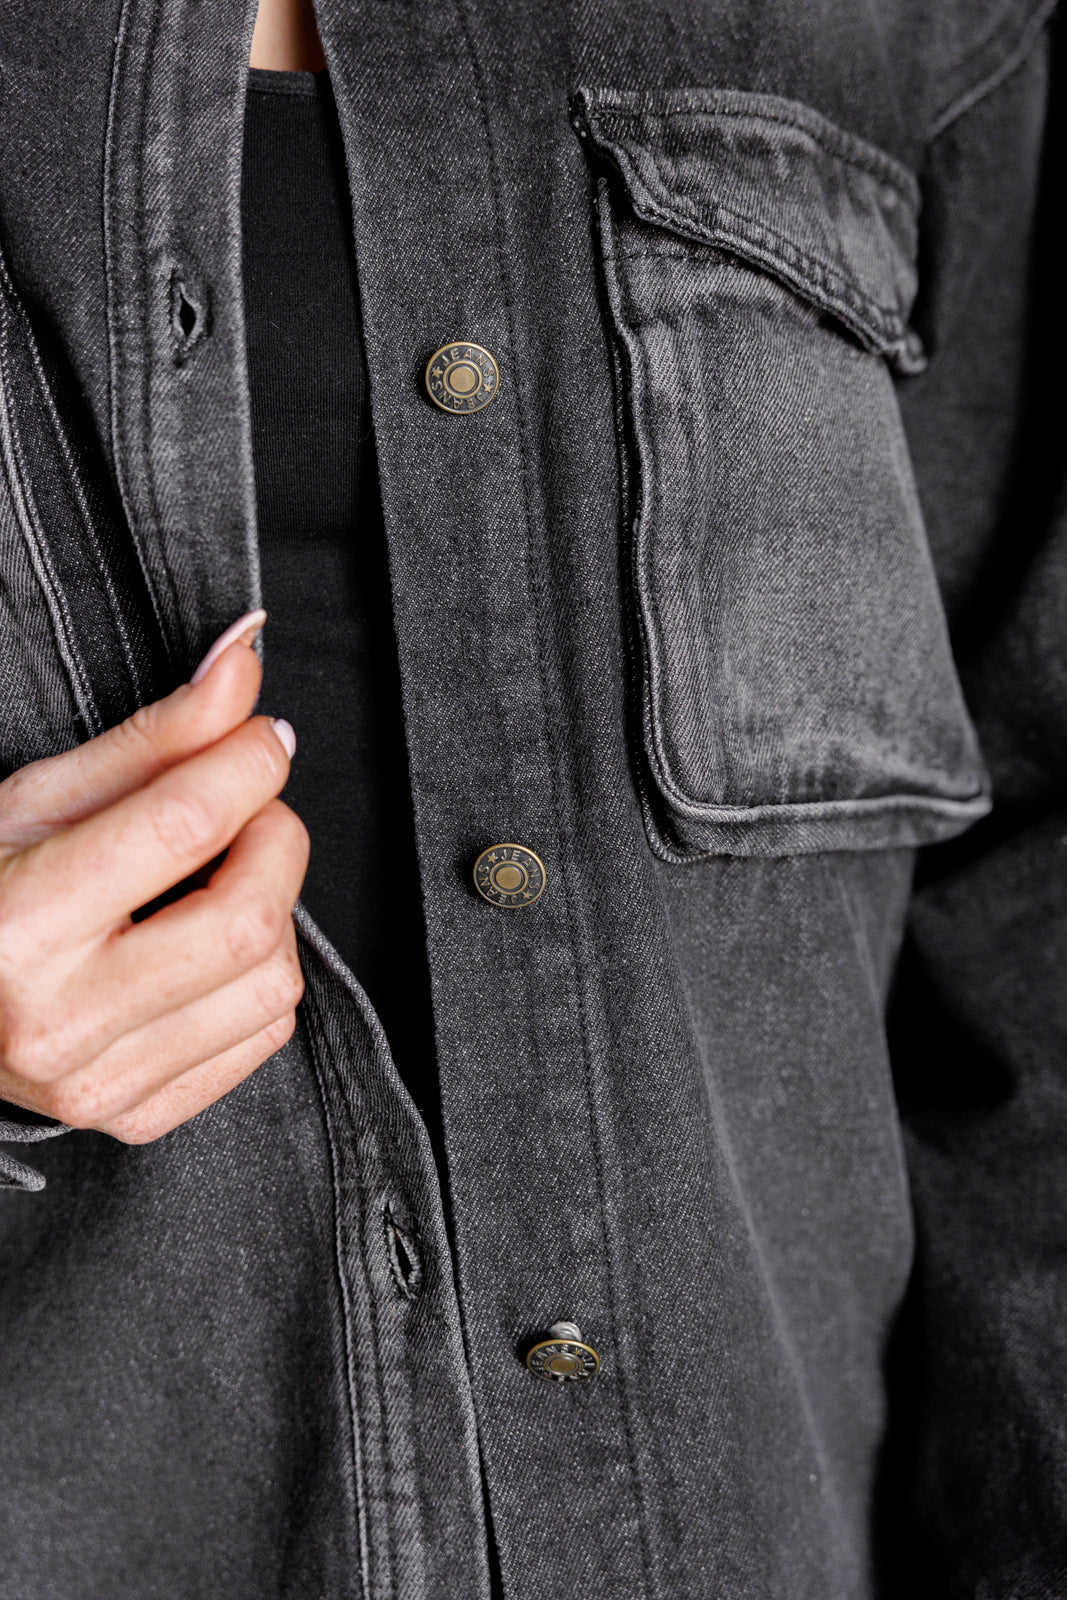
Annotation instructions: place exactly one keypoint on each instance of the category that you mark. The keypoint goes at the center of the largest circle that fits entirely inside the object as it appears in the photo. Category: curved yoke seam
(983, 86)
(538, 589)
(983, 46)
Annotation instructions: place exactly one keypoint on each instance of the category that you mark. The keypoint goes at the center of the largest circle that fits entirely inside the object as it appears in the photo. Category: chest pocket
(797, 686)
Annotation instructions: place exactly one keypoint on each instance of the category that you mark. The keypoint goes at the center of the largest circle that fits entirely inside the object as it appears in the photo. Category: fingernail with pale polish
(245, 629)
(286, 735)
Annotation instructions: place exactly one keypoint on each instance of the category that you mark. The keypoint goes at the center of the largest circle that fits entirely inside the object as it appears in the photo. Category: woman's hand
(133, 1027)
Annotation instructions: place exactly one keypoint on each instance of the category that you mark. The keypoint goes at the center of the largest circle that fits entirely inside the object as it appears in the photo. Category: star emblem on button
(509, 875)
(564, 1357)
(462, 377)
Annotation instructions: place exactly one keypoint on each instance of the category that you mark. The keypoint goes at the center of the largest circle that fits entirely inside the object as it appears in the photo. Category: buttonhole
(188, 314)
(404, 1258)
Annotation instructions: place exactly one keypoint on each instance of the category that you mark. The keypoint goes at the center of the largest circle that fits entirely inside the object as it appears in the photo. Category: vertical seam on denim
(551, 743)
(388, 1460)
(646, 758)
(119, 75)
(878, 1007)
(645, 590)
(252, 539)
(632, 496)
(29, 523)
(378, 1365)
(319, 1047)
(657, 670)
(63, 445)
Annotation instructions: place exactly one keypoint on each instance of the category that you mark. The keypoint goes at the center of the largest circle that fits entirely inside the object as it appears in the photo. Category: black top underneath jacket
(329, 648)
(778, 1121)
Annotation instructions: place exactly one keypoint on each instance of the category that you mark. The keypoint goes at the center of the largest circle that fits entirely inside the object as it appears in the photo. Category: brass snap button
(509, 875)
(462, 377)
(563, 1356)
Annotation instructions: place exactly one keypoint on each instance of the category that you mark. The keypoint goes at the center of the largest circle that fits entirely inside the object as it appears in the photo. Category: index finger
(62, 789)
(77, 884)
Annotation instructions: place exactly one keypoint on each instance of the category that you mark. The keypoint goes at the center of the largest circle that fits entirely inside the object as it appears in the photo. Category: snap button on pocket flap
(778, 186)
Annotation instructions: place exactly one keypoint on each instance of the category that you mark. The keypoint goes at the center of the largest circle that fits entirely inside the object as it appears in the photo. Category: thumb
(60, 790)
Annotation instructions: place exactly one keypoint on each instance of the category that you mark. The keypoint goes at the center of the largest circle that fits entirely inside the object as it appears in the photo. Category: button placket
(477, 649)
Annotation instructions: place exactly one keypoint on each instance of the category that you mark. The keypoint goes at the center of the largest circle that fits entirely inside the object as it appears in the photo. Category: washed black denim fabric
(774, 297)
(323, 559)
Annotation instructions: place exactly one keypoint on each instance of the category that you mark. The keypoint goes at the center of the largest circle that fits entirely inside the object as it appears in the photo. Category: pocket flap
(778, 186)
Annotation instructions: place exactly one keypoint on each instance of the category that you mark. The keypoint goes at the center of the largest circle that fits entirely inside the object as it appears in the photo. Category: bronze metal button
(462, 377)
(509, 875)
(563, 1356)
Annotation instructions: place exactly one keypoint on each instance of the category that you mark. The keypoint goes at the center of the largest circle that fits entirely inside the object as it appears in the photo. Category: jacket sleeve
(978, 1389)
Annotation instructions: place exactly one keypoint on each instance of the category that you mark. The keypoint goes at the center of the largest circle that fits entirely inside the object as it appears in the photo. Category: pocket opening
(777, 186)
(798, 691)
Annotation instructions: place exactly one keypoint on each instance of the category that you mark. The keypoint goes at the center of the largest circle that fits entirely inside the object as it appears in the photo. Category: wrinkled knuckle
(19, 795)
(12, 944)
(31, 1052)
(279, 1033)
(139, 734)
(26, 937)
(79, 1105)
(267, 756)
(139, 1126)
(186, 825)
(293, 830)
(283, 985)
(253, 932)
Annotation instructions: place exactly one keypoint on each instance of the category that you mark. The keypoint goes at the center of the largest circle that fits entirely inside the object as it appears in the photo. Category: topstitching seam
(74, 482)
(967, 99)
(537, 588)
(29, 519)
(836, 143)
(831, 279)
(319, 1048)
(116, 360)
(757, 234)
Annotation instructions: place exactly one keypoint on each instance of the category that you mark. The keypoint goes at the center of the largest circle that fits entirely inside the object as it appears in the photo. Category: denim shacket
(747, 586)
